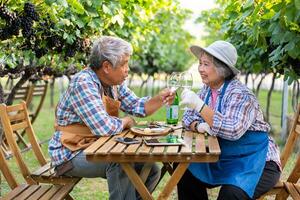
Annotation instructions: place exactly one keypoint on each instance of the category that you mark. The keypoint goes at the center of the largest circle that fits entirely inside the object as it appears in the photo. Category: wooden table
(197, 148)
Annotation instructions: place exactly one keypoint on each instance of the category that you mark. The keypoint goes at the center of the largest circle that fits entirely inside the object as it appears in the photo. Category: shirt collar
(219, 91)
(93, 75)
(221, 88)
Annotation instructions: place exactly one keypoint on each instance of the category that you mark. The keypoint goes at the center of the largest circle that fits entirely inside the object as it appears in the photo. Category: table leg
(174, 179)
(136, 181)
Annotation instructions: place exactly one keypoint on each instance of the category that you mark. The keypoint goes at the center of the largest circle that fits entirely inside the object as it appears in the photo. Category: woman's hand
(190, 99)
(203, 127)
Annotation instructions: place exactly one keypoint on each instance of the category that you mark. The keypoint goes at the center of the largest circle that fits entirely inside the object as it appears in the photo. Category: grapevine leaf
(77, 6)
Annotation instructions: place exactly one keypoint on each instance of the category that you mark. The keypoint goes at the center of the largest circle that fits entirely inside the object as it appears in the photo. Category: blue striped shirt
(82, 103)
(240, 111)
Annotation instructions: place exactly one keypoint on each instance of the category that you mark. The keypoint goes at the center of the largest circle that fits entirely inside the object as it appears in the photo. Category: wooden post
(284, 110)
(52, 93)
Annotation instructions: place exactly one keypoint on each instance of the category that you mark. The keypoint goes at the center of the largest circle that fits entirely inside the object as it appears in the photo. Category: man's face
(119, 74)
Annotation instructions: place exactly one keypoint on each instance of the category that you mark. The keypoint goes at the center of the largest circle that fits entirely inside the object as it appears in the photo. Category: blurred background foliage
(266, 34)
(50, 38)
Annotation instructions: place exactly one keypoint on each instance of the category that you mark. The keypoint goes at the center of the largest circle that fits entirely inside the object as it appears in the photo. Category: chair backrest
(6, 172)
(16, 118)
(291, 180)
(28, 92)
(40, 91)
(25, 93)
(295, 173)
(292, 139)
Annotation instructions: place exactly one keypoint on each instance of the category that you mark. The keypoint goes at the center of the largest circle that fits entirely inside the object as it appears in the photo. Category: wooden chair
(23, 93)
(279, 189)
(28, 93)
(34, 191)
(15, 118)
(291, 185)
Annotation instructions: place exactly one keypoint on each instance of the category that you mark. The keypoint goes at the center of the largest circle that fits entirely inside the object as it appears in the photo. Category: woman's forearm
(207, 114)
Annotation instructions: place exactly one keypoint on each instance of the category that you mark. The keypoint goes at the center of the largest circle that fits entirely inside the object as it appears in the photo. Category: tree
(266, 34)
(53, 37)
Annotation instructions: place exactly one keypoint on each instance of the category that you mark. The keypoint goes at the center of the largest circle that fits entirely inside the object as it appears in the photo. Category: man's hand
(128, 122)
(167, 96)
(203, 127)
(190, 99)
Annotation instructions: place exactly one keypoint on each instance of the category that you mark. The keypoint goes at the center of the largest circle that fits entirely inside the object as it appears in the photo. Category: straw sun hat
(222, 50)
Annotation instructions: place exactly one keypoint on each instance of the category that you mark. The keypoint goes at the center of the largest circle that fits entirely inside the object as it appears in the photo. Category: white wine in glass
(173, 81)
(186, 80)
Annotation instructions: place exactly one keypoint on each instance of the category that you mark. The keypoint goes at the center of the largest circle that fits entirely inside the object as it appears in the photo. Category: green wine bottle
(173, 111)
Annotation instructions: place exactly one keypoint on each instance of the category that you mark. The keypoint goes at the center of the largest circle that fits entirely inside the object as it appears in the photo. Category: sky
(196, 6)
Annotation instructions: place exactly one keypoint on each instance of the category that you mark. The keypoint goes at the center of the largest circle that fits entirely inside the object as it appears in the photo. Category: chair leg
(69, 197)
(283, 195)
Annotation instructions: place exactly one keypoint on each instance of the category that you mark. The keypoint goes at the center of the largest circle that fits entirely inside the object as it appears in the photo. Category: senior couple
(249, 164)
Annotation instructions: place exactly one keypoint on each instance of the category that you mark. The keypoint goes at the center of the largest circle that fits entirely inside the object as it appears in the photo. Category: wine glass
(173, 81)
(186, 80)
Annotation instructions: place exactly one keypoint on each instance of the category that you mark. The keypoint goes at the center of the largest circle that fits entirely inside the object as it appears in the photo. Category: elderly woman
(249, 163)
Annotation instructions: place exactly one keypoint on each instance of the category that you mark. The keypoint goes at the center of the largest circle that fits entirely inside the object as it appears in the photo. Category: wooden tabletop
(198, 148)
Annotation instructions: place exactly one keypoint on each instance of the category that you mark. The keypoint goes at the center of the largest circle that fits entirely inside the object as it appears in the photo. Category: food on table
(147, 130)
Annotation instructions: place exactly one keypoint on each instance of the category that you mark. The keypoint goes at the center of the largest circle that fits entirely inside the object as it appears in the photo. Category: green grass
(96, 188)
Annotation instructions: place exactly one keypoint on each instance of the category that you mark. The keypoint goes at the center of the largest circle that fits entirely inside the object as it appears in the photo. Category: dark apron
(241, 162)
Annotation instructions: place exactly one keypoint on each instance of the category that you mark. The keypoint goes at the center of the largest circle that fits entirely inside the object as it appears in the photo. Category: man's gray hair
(108, 48)
(222, 69)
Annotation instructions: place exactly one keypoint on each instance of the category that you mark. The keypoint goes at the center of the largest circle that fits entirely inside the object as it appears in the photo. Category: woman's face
(209, 73)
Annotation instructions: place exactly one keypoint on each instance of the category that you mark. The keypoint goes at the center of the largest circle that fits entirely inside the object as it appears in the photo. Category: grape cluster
(4, 34)
(79, 45)
(29, 10)
(55, 42)
(40, 51)
(27, 23)
(8, 16)
(13, 22)
(69, 52)
(29, 16)
(40, 35)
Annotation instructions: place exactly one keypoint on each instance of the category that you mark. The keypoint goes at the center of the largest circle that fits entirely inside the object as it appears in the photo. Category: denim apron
(241, 162)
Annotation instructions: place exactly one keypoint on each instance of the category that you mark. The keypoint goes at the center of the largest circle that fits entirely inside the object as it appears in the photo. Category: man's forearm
(153, 105)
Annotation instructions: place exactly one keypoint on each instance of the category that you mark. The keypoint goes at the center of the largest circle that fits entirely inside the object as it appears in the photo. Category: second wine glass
(186, 80)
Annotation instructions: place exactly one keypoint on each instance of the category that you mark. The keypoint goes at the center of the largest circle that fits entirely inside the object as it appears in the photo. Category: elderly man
(89, 109)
